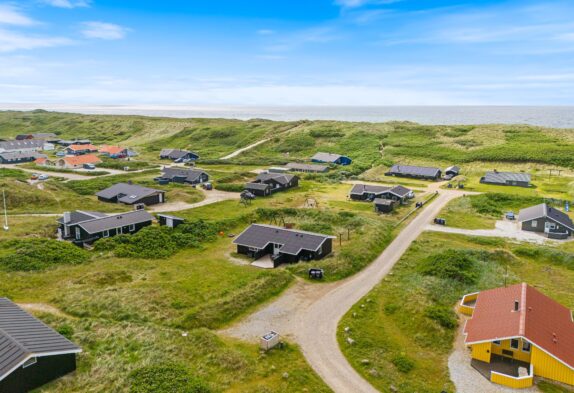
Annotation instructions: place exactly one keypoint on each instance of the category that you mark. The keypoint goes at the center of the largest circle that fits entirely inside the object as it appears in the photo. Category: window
(525, 346)
(132, 227)
(106, 234)
(534, 223)
(29, 362)
(496, 342)
(514, 343)
(78, 233)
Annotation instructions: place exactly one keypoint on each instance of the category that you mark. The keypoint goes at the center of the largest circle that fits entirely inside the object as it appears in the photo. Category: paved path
(309, 313)
(504, 229)
(239, 151)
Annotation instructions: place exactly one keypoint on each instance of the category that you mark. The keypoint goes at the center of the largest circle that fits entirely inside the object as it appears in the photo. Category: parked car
(89, 166)
(510, 216)
(43, 177)
(34, 176)
(61, 154)
(207, 186)
(440, 221)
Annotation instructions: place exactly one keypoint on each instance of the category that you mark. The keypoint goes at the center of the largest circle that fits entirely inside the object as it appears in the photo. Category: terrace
(468, 303)
(505, 371)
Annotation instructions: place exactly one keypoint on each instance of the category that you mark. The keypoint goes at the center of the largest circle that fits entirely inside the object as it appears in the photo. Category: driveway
(212, 196)
(309, 313)
(504, 229)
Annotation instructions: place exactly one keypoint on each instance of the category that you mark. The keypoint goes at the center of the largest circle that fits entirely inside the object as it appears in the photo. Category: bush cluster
(39, 254)
(165, 378)
(458, 265)
(445, 316)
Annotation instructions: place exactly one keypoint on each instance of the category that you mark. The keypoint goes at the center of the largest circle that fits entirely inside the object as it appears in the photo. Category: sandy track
(212, 196)
(243, 149)
(309, 313)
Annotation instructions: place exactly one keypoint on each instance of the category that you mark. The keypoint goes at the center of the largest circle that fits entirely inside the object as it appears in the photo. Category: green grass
(482, 211)
(409, 313)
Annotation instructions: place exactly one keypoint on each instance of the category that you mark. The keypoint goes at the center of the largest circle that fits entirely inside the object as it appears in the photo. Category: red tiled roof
(111, 149)
(40, 160)
(81, 160)
(83, 147)
(541, 320)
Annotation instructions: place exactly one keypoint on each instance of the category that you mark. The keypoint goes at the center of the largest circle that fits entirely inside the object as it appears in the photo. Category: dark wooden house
(383, 205)
(267, 183)
(331, 158)
(451, 171)
(184, 175)
(84, 227)
(178, 155)
(546, 219)
(20, 157)
(506, 179)
(31, 353)
(415, 172)
(131, 194)
(169, 220)
(283, 245)
(307, 168)
(368, 192)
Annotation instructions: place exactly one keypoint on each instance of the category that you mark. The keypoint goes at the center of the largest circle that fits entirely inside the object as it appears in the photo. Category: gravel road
(309, 313)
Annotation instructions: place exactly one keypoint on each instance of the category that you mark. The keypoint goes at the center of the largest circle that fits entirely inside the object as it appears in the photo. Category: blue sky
(287, 52)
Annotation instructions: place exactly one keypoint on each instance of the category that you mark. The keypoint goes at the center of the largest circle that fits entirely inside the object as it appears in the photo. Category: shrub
(39, 254)
(443, 315)
(66, 331)
(458, 265)
(296, 143)
(230, 187)
(403, 363)
(317, 227)
(165, 378)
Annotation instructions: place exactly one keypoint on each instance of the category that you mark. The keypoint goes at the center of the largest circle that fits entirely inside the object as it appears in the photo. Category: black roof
(381, 201)
(307, 167)
(189, 174)
(360, 189)
(23, 336)
(98, 225)
(503, 177)
(257, 186)
(75, 217)
(175, 154)
(414, 170)
(292, 241)
(543, 210)
(129, 193)
(281, 178)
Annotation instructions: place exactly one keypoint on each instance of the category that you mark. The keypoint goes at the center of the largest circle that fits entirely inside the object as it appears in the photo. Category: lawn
(404, 328)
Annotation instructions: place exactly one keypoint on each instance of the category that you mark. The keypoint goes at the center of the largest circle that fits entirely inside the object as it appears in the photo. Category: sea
(545, 116)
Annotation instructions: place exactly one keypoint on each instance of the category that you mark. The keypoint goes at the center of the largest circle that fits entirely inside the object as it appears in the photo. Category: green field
(404, 328)
(147, 307)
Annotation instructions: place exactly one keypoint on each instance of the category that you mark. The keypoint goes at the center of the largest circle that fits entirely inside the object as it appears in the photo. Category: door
(549, 226)
(169, 222)
(276, 248)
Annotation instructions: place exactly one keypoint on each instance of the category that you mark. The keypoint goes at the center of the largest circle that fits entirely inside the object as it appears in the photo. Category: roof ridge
(522, 323)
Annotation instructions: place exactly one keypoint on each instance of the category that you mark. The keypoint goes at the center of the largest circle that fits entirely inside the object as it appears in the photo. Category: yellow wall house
(516, 333)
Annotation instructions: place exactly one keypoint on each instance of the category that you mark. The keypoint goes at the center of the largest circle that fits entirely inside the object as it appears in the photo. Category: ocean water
(546, 116)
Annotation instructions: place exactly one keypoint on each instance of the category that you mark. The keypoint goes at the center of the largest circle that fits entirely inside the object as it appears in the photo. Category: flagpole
(5, 211)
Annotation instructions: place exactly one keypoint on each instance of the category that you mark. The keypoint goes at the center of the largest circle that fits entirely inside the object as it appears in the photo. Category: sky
(287, 52)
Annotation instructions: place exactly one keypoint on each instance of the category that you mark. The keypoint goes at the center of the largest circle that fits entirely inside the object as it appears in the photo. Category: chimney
(67, 217)
(516, 305)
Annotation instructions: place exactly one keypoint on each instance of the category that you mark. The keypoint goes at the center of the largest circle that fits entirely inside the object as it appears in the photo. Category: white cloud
(10, 15)
(67, 3)
(104, 31)
(265, 32)
(360, 3)
(11, 41)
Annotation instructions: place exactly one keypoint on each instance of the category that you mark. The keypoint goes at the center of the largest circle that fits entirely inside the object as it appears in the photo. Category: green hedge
(39, 254)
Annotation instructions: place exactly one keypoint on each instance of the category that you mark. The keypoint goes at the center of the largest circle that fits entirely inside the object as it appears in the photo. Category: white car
(43, 177)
